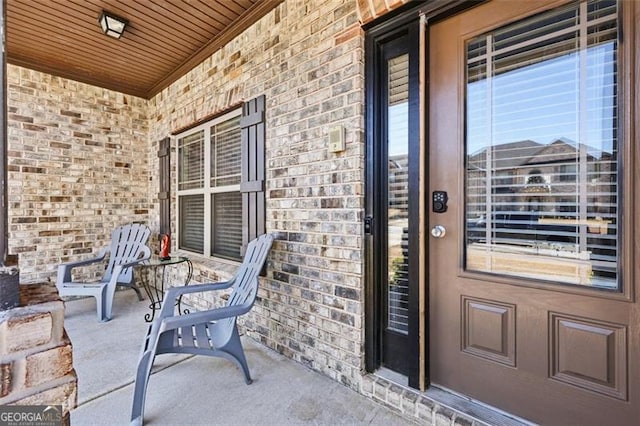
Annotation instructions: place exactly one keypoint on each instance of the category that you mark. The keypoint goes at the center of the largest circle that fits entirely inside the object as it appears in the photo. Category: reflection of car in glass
(520, 228)
(537, 229)
(593, 239)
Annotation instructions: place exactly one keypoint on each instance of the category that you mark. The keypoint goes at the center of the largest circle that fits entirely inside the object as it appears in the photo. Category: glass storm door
(396, 211)
(393, 172)
(533, 302)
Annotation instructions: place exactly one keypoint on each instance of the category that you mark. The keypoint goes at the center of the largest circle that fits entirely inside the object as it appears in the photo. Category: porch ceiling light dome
(112, 25)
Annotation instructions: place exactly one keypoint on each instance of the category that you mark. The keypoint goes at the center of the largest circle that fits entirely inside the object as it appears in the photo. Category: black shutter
(164, 196)
(253, 170)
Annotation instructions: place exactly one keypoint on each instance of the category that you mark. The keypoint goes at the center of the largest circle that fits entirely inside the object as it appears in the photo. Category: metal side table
(153, 281)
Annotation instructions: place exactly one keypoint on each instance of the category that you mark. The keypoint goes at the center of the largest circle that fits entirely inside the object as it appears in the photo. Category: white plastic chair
(212, 332)
(128, 248)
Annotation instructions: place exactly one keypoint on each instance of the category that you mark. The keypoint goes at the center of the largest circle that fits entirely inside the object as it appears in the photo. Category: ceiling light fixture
(112, 25)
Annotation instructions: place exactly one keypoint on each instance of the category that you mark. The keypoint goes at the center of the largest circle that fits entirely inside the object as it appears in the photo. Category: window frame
(583, 233)
(207, 190)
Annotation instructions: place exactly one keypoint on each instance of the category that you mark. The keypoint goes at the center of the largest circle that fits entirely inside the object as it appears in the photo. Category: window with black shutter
(253, 169)
(220, 191)
(164, 194)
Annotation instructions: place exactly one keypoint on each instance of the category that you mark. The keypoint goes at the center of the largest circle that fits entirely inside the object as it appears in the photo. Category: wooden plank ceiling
(163, 40)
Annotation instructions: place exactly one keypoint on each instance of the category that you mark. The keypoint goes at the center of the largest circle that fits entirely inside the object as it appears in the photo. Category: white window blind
(227, 215)
(398, 193)
(226, 202)
(225, 153)
(542, 147)
(191, 230)
(210, 206)
(191, 158)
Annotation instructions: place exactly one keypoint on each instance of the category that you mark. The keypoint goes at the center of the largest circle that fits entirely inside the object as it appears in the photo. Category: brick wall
(83, 160)
(368, 10)
(78, 167)
(308, 61)
(36, 365)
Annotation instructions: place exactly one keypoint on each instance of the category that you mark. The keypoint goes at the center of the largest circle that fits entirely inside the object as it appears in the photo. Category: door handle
(438, 231)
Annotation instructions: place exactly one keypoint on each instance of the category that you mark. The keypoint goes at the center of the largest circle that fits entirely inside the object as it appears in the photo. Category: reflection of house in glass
(398, 186)
(398, 237)
(559, 199)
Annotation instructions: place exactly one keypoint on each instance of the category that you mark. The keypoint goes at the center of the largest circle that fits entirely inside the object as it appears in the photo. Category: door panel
(532, 301)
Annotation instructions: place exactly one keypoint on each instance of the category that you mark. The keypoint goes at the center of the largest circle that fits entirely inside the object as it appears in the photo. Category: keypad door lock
(439, 201)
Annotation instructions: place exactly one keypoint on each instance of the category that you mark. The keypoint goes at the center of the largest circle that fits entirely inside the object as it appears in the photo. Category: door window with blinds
(209, 199)
(542, 148)
(398, 193)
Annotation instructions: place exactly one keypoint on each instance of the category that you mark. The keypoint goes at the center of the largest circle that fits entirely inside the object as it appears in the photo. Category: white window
(209, 198)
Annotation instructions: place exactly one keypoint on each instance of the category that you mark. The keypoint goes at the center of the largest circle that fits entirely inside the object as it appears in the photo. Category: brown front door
(533, 301)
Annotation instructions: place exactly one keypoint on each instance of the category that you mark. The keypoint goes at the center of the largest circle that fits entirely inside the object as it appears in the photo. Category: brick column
(368, 10)
(36, 364)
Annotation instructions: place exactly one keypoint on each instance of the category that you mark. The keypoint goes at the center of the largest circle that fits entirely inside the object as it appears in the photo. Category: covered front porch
(186, 389)
(213, 122)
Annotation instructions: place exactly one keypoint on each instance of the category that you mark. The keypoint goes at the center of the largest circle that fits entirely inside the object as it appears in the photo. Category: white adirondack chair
(128, 247)
(212, 332)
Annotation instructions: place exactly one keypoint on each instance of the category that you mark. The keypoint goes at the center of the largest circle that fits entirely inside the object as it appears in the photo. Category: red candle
(165, 242)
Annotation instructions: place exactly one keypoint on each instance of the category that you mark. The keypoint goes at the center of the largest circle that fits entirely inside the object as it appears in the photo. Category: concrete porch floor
(188, 390)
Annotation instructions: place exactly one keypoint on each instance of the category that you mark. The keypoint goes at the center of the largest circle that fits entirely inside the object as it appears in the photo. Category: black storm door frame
(395, 348)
